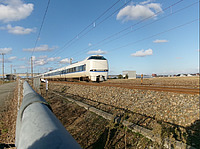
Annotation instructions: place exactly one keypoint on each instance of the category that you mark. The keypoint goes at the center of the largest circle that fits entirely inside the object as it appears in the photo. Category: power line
(40, 28)
(155, 34)
(69, 43)
(174, 12)
(149, 37)
(131, 26)
(45, 13)
(92, 22)
(176, 27)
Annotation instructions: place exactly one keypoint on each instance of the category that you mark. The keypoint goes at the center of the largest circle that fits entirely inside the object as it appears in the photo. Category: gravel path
(6, 92)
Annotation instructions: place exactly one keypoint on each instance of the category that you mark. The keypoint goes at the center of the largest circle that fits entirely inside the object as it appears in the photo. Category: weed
(5, 131)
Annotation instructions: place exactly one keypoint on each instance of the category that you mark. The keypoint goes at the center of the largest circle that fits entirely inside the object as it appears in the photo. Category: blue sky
(153, 36)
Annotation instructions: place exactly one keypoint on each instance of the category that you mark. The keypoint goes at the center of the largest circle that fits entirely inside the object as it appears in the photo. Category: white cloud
(9, 60)
(40, 62)
(89, 44)
(45, 69)
(18, 30)
(142, 53)
(52, 59)
(42, 48)
(23, 67)
(160, 41)
(42, 57)
(139, 11)
(33, 58)
(97, 52)
(145, 2)
(5, 50)
(23, 59)
(43, 60)
(12, 58)
(14, 10)
(64, 61)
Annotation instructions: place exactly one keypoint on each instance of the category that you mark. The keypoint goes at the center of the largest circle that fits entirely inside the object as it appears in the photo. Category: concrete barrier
(38, 127)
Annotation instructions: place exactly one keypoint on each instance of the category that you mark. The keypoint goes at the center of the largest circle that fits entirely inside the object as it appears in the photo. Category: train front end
(97, 66)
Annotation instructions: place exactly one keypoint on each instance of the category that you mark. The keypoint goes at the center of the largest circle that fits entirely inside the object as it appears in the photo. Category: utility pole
(70, 61)
(3, 65)
(32, 69)
(27, 75)
(15, 72)
(11, 69)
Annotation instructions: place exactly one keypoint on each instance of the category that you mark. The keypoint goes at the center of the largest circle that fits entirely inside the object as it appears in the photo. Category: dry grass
(8, 122)
(188, 82)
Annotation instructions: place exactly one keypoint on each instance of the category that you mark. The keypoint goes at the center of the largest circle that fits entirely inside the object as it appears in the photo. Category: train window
(80, 68)
(77, 69)
(97, 57)
(84, 67)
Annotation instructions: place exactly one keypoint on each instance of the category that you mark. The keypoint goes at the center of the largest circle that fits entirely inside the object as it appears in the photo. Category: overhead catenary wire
(123, 29)
(74, 39)
(138, 23)
(92, 23)
(174, 12)
(131, 27)
(38, 36)
(149, 37)
(127, 27)
(179, 26)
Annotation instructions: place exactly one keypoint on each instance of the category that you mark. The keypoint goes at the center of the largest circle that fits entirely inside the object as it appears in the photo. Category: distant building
(10, 77)
(154, 75)
(130, 74)
(183, 75)
(112, 76)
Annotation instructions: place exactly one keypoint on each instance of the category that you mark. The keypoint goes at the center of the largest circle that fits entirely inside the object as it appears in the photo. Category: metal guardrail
(37, 127)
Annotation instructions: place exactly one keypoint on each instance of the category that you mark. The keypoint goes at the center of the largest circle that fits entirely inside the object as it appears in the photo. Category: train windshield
(97, 57)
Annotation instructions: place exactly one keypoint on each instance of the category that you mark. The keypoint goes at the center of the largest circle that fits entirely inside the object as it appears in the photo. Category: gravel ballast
(176, 108)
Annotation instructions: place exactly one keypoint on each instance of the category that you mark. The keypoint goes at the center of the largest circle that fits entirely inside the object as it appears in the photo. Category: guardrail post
(37, 127)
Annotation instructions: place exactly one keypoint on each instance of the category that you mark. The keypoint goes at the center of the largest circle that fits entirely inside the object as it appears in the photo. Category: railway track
(175, 89)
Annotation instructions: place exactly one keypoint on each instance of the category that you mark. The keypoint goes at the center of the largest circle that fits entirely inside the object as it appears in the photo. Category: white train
(93, 68)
